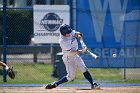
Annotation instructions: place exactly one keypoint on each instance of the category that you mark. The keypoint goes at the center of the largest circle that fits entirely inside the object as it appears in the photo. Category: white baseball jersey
(71, 61)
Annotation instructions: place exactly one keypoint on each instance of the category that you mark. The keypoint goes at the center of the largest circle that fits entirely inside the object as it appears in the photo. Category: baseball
(114, 55)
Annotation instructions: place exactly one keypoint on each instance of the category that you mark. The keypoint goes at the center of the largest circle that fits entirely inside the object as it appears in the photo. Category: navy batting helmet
(65, 29)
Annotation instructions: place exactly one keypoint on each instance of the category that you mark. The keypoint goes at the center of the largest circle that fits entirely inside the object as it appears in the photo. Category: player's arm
(9, 70)
(79, 36)
(79, 51)
(4, 65)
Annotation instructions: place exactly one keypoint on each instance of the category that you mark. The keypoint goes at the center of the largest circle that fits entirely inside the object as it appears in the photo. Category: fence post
(4, 16)
(35, 57)
(0, 56)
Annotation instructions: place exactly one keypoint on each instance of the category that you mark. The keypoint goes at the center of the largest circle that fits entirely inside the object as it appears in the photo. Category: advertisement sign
(47, 20)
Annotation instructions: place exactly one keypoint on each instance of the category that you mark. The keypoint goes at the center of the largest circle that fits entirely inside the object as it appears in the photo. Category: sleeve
(65, 46)
(75, 32)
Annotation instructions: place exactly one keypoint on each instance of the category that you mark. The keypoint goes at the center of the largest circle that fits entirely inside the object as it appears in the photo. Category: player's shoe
(95, 86)
(51, 86)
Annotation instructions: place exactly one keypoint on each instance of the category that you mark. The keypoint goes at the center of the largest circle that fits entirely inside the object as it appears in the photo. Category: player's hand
(84, 49)
(84, 46)
(79, 37)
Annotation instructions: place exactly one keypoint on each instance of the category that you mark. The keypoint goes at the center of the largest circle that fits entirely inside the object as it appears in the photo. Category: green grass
(40, 73)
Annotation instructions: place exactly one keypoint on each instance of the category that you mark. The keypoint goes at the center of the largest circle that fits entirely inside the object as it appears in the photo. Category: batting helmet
(65, 29)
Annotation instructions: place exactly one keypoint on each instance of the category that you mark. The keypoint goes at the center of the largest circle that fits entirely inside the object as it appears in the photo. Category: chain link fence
(21, 50)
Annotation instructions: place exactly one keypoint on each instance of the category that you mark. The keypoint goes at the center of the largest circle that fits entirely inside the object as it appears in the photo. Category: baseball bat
(92, 54)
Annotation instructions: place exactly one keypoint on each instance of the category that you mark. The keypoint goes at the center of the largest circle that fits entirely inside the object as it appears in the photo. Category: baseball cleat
(50, 86)
(95, 86)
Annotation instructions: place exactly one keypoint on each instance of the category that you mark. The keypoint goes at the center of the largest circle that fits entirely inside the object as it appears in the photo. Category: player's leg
(82, 67)
(70, 69)
(88, 76)
(56, 83)
(71, 72)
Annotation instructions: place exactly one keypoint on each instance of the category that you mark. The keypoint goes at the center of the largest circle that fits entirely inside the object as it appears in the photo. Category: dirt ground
(131, 89)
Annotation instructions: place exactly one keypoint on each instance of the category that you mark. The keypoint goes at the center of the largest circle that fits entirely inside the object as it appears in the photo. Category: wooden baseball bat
(92, 54)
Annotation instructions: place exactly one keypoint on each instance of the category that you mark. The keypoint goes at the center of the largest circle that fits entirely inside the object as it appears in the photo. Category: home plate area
(122, 89)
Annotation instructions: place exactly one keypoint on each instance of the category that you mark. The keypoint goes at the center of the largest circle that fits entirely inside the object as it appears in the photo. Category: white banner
(47, 20)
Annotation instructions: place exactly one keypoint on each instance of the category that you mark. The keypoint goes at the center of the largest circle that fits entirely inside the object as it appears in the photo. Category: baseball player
(69, 45)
